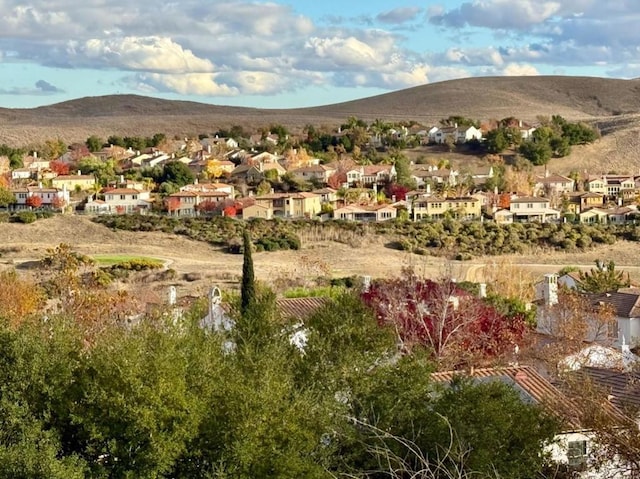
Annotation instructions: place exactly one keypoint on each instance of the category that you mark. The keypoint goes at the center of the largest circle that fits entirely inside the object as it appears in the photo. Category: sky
(298, 53)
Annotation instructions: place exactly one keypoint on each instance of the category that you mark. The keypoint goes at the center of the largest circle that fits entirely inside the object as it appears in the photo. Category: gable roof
(531, 385)
(623, 387)
(626, 304)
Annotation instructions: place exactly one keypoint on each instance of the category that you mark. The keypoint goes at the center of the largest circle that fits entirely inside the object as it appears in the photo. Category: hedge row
(455, 239)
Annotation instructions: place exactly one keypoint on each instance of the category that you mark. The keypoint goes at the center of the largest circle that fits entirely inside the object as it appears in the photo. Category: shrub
(25, 217)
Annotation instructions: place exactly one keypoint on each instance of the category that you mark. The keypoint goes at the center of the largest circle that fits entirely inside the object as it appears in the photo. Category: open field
(207, 266)
(111, 259)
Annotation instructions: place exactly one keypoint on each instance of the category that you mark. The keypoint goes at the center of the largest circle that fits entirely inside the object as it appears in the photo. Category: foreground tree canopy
(86, 394)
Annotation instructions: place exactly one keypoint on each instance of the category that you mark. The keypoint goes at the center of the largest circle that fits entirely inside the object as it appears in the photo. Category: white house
(531, 208)
(120, 201)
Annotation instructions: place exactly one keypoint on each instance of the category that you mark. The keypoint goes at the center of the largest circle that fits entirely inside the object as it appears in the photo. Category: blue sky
(286, 54)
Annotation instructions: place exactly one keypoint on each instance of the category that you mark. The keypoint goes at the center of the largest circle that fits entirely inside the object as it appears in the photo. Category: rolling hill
(612, 104)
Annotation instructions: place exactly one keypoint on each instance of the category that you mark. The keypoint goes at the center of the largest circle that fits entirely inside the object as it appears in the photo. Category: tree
(602, 279)
(59, 167)
(58, 203)
(495, 141)
(538, 153)
(34, 201)
(53, 149)
(7, 198)
(248, 287)
(172, 204)
(94, 143)
(456, 327)
(177, 173)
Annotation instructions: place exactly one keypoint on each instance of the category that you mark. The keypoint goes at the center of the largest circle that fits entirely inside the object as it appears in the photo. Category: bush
(25, 217)
(4, 217)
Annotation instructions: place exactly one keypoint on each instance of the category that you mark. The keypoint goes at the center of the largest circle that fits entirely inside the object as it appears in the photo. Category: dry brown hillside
(612, 102)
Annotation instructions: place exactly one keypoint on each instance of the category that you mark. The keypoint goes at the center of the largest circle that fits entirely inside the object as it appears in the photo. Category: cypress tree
(248, 289)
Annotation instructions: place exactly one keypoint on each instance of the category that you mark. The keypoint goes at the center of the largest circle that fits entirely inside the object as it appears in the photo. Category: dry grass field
(207, 266)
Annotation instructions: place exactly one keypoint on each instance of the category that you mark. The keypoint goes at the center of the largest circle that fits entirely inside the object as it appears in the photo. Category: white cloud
(186, 83)
(155, 54)
(519, 69)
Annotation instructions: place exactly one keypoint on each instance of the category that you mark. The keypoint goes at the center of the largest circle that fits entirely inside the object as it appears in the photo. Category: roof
(623, 387)
(374, 169)
(532, 387)
(529, 199)
(626, 304)
(554, 178)
(73, 177)
(122, 191)
(300, 308)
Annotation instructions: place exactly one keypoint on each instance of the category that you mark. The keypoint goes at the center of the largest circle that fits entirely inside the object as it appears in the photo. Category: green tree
(94, 143)
(7, 198)
(495, 141)
(538, 153)
(403, 171)
(248, 287)
(602, 279)
(177, 173)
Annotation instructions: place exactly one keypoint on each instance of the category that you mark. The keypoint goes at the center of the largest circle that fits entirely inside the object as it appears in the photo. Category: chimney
(428, 188)
(40, 184)
(520, 123)
(482, 290)
(79, 172)
(550, 289)
(35, 154)
(455, 125)
(455, 301)
(172, 295)
(366, 283)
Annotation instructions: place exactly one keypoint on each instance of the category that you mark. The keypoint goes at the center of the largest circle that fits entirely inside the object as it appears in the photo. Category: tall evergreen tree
(248, 289)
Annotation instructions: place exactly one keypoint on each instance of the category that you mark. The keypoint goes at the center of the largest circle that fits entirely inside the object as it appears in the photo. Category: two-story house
(429, 207)
(120, 201)
(47, 197)
(531, 208)
(284, 205)
(74, 182)
(612, 186)
(313, 173)
(579, 201)
(553, 185)
(190, 203)
(365, 213)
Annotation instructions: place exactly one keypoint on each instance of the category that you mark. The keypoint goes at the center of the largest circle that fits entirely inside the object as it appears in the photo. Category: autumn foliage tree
(59, 167)
(457, 327)
(34, 202)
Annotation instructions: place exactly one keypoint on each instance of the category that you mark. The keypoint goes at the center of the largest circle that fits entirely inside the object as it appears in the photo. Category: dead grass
(319, 256)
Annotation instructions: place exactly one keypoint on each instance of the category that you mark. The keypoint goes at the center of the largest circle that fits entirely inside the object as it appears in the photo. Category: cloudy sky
(299, 52)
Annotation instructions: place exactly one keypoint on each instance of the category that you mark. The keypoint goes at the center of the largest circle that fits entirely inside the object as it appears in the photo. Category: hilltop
(610, 102)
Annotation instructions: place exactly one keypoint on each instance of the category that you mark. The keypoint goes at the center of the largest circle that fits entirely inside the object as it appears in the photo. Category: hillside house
(313, 173)
(74, 182)
(552, 184)
(612, 186)
(533, 209)
(120, 201)
(429, 207)
(190, 203)
(579, 201)
(49, 197)
(284, 205)
(365, 213)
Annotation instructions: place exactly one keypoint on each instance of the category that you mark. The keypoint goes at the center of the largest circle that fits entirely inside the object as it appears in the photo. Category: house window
(530, 206)
(576, 452)
(122, 197)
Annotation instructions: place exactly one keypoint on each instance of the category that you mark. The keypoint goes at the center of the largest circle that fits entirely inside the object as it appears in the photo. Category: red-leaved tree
(59, 167)
(172, 203)
(34, 201)
(457, 327)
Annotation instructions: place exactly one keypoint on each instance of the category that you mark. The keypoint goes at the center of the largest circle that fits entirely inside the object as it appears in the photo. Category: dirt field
(208, 266)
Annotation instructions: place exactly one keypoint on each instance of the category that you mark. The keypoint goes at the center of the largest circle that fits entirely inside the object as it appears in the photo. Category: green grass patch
(114, 259)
